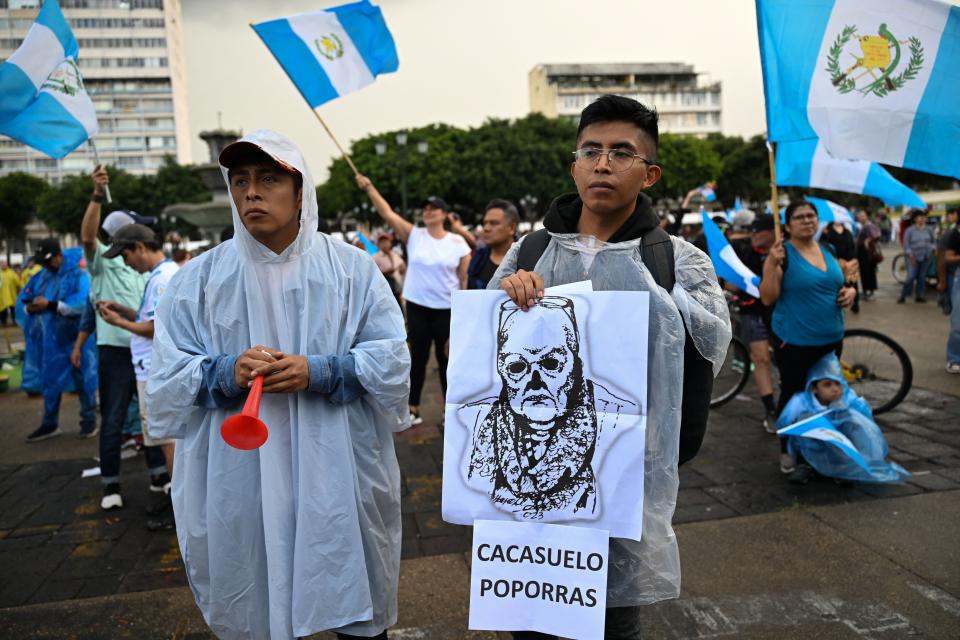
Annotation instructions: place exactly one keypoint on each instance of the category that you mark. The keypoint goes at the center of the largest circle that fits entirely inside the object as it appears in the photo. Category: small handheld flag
(872, 80)
(330, 53)
(726, 262)
(808, 164)
(819, 427)
(43, 102)
(367, 244)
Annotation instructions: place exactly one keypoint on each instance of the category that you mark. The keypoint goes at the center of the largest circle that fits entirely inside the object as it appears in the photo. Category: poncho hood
(283, 150)
(564, 214)
(827, 367)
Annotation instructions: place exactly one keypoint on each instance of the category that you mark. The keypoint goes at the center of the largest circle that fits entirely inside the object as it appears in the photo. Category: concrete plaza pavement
(760, 558)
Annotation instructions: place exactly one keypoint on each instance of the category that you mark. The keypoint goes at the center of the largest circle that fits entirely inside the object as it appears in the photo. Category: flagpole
(96, 159)
(346, 156)
(774, 201)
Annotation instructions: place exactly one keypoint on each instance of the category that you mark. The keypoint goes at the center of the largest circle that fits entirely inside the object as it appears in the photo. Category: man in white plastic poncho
(303, 534)
(608, 233)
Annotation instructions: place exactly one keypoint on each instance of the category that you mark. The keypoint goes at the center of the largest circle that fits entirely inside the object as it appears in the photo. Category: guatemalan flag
(43, 102)
(332, 52)
(726, 262)
(820, 428)
(807, 163)
(873, 79)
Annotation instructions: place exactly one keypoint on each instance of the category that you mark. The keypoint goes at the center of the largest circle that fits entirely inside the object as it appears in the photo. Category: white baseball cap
(119, 219)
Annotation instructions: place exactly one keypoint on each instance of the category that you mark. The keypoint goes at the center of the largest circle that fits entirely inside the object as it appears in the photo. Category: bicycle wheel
(876, 367)
(733, 374)
(899, 267)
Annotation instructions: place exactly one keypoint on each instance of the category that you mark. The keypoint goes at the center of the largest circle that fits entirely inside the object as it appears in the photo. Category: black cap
(436, 202)
(763, 222)
(47, 249)
(236, 153)
(126, 236)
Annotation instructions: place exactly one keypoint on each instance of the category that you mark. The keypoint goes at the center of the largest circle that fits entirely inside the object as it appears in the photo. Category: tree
(746, 171)
(687, 163)
(62, 207)
(20, 194)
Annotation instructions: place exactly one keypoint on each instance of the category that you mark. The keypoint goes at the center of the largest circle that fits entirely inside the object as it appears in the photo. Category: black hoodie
(563, 217)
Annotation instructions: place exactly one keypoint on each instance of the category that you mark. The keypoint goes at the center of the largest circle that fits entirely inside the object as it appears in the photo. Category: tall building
(685, 104)
(131, 58)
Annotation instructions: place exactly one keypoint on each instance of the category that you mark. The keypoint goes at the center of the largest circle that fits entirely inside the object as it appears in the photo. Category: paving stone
(16, 590)
(888, 490)
(106, 528)
(690, 478)
(699, 512)
(900, 439)
(928, 449)
(693, 497)
(429, 523)
(45, 530)
(152, 580)
(953, 474)
(439, 545)
(410, 548)
(949, 461)
(902, 456)
(425, 492)
(100, 586)
(933, 482)
(74, 567)
(56, 591)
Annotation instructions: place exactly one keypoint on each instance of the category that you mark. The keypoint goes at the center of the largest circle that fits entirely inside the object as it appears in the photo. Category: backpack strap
(656, 249)
(532, 247)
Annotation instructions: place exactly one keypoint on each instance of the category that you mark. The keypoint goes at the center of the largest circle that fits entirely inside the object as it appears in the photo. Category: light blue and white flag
(367, 244)
(873, 79)
(819, 427)
(707, 192)
(330, 53)
(807, 163)
(726, 262)
(43, 102)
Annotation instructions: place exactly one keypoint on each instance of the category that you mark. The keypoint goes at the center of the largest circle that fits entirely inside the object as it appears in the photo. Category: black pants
(6, 313)
(794, 363)
(426, 326)
(868, 269)
(622, 623)
(346, 636)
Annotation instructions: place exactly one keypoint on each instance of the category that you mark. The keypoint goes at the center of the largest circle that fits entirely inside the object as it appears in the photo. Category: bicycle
(874, 365)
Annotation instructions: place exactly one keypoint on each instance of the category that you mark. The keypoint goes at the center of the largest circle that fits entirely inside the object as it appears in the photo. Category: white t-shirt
(156, 285)
(432, 268)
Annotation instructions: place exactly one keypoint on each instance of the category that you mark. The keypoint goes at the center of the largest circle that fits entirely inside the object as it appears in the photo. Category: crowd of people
(341, 344)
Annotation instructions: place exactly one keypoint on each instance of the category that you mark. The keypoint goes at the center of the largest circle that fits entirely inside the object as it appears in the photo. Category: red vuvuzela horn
(246, 430)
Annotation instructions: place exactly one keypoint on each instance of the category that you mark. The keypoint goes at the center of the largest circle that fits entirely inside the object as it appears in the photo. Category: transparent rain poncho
(303, 534)
(851, 416)
(649, 570)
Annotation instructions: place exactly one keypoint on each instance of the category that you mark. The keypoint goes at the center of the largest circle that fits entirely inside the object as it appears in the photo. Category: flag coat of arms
(43, 102)
(330, 53)
(808, 164)
(873, 80)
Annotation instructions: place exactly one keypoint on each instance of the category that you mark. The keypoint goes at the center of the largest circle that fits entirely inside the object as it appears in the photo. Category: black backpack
(656, 249)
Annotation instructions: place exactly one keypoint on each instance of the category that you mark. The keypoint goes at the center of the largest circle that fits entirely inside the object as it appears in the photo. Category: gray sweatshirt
(919, 243)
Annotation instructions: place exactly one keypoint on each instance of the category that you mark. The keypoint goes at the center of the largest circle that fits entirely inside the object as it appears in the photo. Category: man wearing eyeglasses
(607, 232)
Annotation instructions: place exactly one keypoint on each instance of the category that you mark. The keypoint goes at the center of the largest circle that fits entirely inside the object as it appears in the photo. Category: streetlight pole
(402, 147)
(401, 139)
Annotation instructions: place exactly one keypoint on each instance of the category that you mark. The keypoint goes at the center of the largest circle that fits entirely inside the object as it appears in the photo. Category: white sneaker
(415, 419)
(111, 497)
(787, 464)
(953, 367)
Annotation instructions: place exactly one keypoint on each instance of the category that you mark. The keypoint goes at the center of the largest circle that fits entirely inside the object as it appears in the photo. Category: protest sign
(546, 410)
(538, 577)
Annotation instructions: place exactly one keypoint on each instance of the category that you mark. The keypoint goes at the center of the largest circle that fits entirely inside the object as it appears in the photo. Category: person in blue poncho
(54, 300)
(848, 413)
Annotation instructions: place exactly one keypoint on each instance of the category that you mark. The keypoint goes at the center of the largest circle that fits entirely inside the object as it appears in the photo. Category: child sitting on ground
(849, 414)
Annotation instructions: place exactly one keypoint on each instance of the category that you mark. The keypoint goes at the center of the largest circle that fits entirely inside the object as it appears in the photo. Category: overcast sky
(461, 62)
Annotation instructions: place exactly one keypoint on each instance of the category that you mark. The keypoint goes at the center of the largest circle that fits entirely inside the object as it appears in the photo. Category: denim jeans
(117, 386)
(88, 403)
(916, 272)
(953, 342)
(622, 623)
